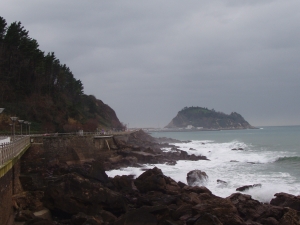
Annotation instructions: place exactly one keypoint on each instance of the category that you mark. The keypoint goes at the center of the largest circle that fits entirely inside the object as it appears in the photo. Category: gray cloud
(149, 59)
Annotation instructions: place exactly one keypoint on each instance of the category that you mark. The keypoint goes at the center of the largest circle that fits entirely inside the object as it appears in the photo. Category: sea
(270, 157)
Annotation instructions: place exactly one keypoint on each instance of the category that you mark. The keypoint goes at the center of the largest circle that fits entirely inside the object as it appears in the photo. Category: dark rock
(171, 163)
(96, 171)
(290, 217)
(146, 215)
(29, 200)
(182, 210)
(221, 210)
(82, 218)
(108, 217)
(162, 140)
(24, 215)
(181, 184)
(233, 161)
(253, 211)
(248, 208)
(196, 189)
(73, 193)
(40, 221)
(286, 200)
(123, 183)
(154, 180)
(207, 219)
(252, 162)
(151, 180)
(247, 187)
(221, 182)
(196, 177)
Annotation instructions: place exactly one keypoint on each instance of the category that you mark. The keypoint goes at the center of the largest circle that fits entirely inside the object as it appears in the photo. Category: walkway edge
(9, 164)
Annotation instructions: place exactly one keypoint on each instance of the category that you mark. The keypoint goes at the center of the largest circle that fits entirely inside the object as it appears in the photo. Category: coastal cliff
(203, 118)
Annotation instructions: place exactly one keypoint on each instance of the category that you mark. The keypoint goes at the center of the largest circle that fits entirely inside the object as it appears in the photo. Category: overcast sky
(149, 59)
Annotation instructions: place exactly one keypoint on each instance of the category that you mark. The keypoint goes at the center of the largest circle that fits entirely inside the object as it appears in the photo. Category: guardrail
(81, 133)
(11, 149)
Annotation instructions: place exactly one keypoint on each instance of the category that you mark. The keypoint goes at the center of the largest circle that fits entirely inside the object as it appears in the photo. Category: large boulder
(196, 178)
(72, 193)
(286, 200)
(252, 210)
(256, 212)
(216, 210)
(123, 183)
(154, 180)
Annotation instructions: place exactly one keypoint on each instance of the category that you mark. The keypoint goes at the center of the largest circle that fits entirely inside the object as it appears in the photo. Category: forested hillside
(36, 87)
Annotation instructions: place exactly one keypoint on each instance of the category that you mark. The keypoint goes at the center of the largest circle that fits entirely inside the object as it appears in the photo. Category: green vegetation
(36, 87)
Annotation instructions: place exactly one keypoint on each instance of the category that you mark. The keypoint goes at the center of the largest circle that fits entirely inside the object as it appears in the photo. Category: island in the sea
(199, 118)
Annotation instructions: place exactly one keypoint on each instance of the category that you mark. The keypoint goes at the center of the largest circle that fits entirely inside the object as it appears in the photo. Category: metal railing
(81, 133)
(10, 150)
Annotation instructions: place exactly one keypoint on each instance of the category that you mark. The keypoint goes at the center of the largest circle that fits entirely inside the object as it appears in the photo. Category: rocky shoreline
(83, 193)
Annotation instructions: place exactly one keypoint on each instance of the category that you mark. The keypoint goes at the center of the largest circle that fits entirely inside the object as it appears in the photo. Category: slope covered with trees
(35, 86)
(204, 118)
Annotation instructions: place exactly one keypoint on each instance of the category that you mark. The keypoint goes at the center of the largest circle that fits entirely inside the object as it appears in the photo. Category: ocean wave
(288, 159)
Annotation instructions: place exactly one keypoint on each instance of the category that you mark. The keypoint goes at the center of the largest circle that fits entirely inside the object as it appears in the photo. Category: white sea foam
(236, 167)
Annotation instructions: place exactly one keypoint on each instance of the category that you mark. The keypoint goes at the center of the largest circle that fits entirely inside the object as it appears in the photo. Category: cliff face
(198, 117)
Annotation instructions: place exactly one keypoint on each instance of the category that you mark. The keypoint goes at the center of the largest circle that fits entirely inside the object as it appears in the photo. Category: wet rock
(171, 163)
(196, 177)
(221, 182)
(247, 187)
(286, 200)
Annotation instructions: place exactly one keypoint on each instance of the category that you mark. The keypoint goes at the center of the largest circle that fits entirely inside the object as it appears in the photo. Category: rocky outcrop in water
(196, 177)
(197, 118)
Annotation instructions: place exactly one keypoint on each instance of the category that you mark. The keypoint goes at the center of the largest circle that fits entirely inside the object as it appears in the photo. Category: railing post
(1, 154)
